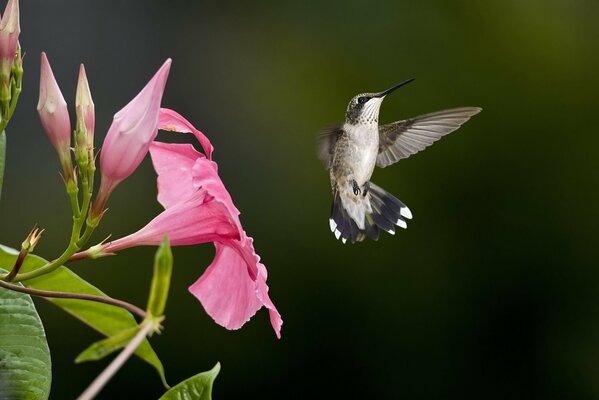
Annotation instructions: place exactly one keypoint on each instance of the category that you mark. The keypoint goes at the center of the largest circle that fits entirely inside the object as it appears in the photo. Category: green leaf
(25, 366)
(102, 348)
(2, 158)
(198, 387)
(161, 280)
(106, 319)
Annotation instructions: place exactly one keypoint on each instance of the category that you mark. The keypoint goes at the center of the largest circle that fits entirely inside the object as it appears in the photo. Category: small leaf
(198, 387)
(106, 319)
(161, 280)
(2, 158)
(25, 366)
(98, 350)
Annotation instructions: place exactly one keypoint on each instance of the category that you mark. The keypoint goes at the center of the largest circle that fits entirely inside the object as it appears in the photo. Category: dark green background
(493, 290)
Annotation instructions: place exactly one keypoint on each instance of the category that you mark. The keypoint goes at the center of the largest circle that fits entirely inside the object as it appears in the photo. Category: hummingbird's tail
(355, 217)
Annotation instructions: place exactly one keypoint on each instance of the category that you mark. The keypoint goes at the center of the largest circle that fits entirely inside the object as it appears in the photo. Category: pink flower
(198, 209)
(84, 106)
(53, 112)
(130, 135)
(9, 36)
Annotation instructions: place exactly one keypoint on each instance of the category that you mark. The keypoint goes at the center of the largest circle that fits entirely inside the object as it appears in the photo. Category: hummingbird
(350, 151)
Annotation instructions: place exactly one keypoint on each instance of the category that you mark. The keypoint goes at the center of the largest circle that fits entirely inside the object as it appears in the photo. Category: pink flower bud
(131, 133)
(9, 36)
(53, 112)
(84, 107)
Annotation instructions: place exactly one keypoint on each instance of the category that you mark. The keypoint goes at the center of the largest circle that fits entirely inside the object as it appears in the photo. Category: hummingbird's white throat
(370, 111)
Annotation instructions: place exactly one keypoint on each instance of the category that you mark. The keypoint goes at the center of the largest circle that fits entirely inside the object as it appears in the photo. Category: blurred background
(492, 291)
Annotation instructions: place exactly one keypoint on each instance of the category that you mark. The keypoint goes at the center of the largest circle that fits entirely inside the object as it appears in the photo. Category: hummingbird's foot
(365, 188)
(356, 187)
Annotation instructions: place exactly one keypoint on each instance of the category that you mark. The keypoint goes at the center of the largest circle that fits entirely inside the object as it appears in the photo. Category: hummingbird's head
(364, 108)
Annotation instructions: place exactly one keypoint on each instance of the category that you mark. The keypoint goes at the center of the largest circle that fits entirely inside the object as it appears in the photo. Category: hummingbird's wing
(401, 139)
(325, 144)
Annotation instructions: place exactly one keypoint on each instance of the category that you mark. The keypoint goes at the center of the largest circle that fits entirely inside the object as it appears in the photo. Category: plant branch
(117, 363)
(76, 296)
(18, 263)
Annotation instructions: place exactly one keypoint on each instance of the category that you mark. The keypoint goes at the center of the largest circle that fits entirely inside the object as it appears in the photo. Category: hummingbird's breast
(361, 150)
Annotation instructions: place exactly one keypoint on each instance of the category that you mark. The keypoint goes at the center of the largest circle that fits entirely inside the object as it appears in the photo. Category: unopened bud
(132, 132)
(84, 106)
(53, 112)
(32, 240)
(9, 37)
(161, 280)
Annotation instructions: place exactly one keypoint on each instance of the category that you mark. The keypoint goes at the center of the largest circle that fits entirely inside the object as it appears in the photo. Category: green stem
(18, 264)
(77, 296)
(72, 249)
(77, 240)
(73, 193)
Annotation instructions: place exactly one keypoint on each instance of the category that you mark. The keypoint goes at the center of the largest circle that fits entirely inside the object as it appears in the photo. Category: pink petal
(170, 120)
(228, 294)
(205, 175)
(173, 163)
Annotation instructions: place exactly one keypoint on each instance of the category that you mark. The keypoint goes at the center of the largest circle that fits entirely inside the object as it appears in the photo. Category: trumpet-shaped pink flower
(233, 288)
(53, 112)
(9, 36)
(131, 133)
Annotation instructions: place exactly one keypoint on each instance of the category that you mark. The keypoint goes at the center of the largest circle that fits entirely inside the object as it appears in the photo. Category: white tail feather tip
(401, 223)
(406, 213)
(332, 224)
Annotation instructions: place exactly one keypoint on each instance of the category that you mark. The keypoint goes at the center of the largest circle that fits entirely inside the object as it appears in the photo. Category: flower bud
(52, 109)
(161, 280)
(84, 106)
(132, 131)
(84, 131)
(31, 240)
(9, 36)
(129, 137)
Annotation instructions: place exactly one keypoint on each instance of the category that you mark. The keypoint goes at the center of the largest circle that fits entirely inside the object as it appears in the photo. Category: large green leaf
(2, 158)
(106, 319)
(198, 387)
(25, 367)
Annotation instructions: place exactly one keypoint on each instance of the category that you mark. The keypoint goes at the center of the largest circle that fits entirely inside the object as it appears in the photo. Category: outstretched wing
(325, 144)
(401, 139)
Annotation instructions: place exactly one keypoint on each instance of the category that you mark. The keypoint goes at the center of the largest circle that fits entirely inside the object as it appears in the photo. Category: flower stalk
(146, 327)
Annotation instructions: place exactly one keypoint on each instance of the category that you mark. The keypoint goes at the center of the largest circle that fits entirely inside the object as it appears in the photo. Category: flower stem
(77, 296)
(77, 240)
(117, 363)
(18, 263)
(72, 249)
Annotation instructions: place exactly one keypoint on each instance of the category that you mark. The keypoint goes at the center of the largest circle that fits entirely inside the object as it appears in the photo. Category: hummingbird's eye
(362, 99)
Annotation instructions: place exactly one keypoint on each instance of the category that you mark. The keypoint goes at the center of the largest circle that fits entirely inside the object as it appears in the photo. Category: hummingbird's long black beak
(394, 88)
